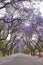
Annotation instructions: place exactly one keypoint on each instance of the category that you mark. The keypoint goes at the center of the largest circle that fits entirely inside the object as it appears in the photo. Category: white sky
(8, 38)
(7, 0)
(26, 4)
(34, 37)
(2, 12)
(39, 7)
(27, 24)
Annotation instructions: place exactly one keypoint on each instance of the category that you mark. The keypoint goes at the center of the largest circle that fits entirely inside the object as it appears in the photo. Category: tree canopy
(21, 23)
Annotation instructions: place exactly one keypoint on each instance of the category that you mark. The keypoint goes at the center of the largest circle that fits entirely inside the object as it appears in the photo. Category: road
(22, 59)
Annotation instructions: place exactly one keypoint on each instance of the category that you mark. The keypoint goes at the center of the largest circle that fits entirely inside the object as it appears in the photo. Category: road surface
(22, 59)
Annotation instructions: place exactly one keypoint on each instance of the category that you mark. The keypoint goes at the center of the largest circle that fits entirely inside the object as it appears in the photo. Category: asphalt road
(22, 59)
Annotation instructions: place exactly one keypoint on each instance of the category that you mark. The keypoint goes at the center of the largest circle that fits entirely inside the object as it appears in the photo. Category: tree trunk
(33, 52)
(39, 53)
(3, 50)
